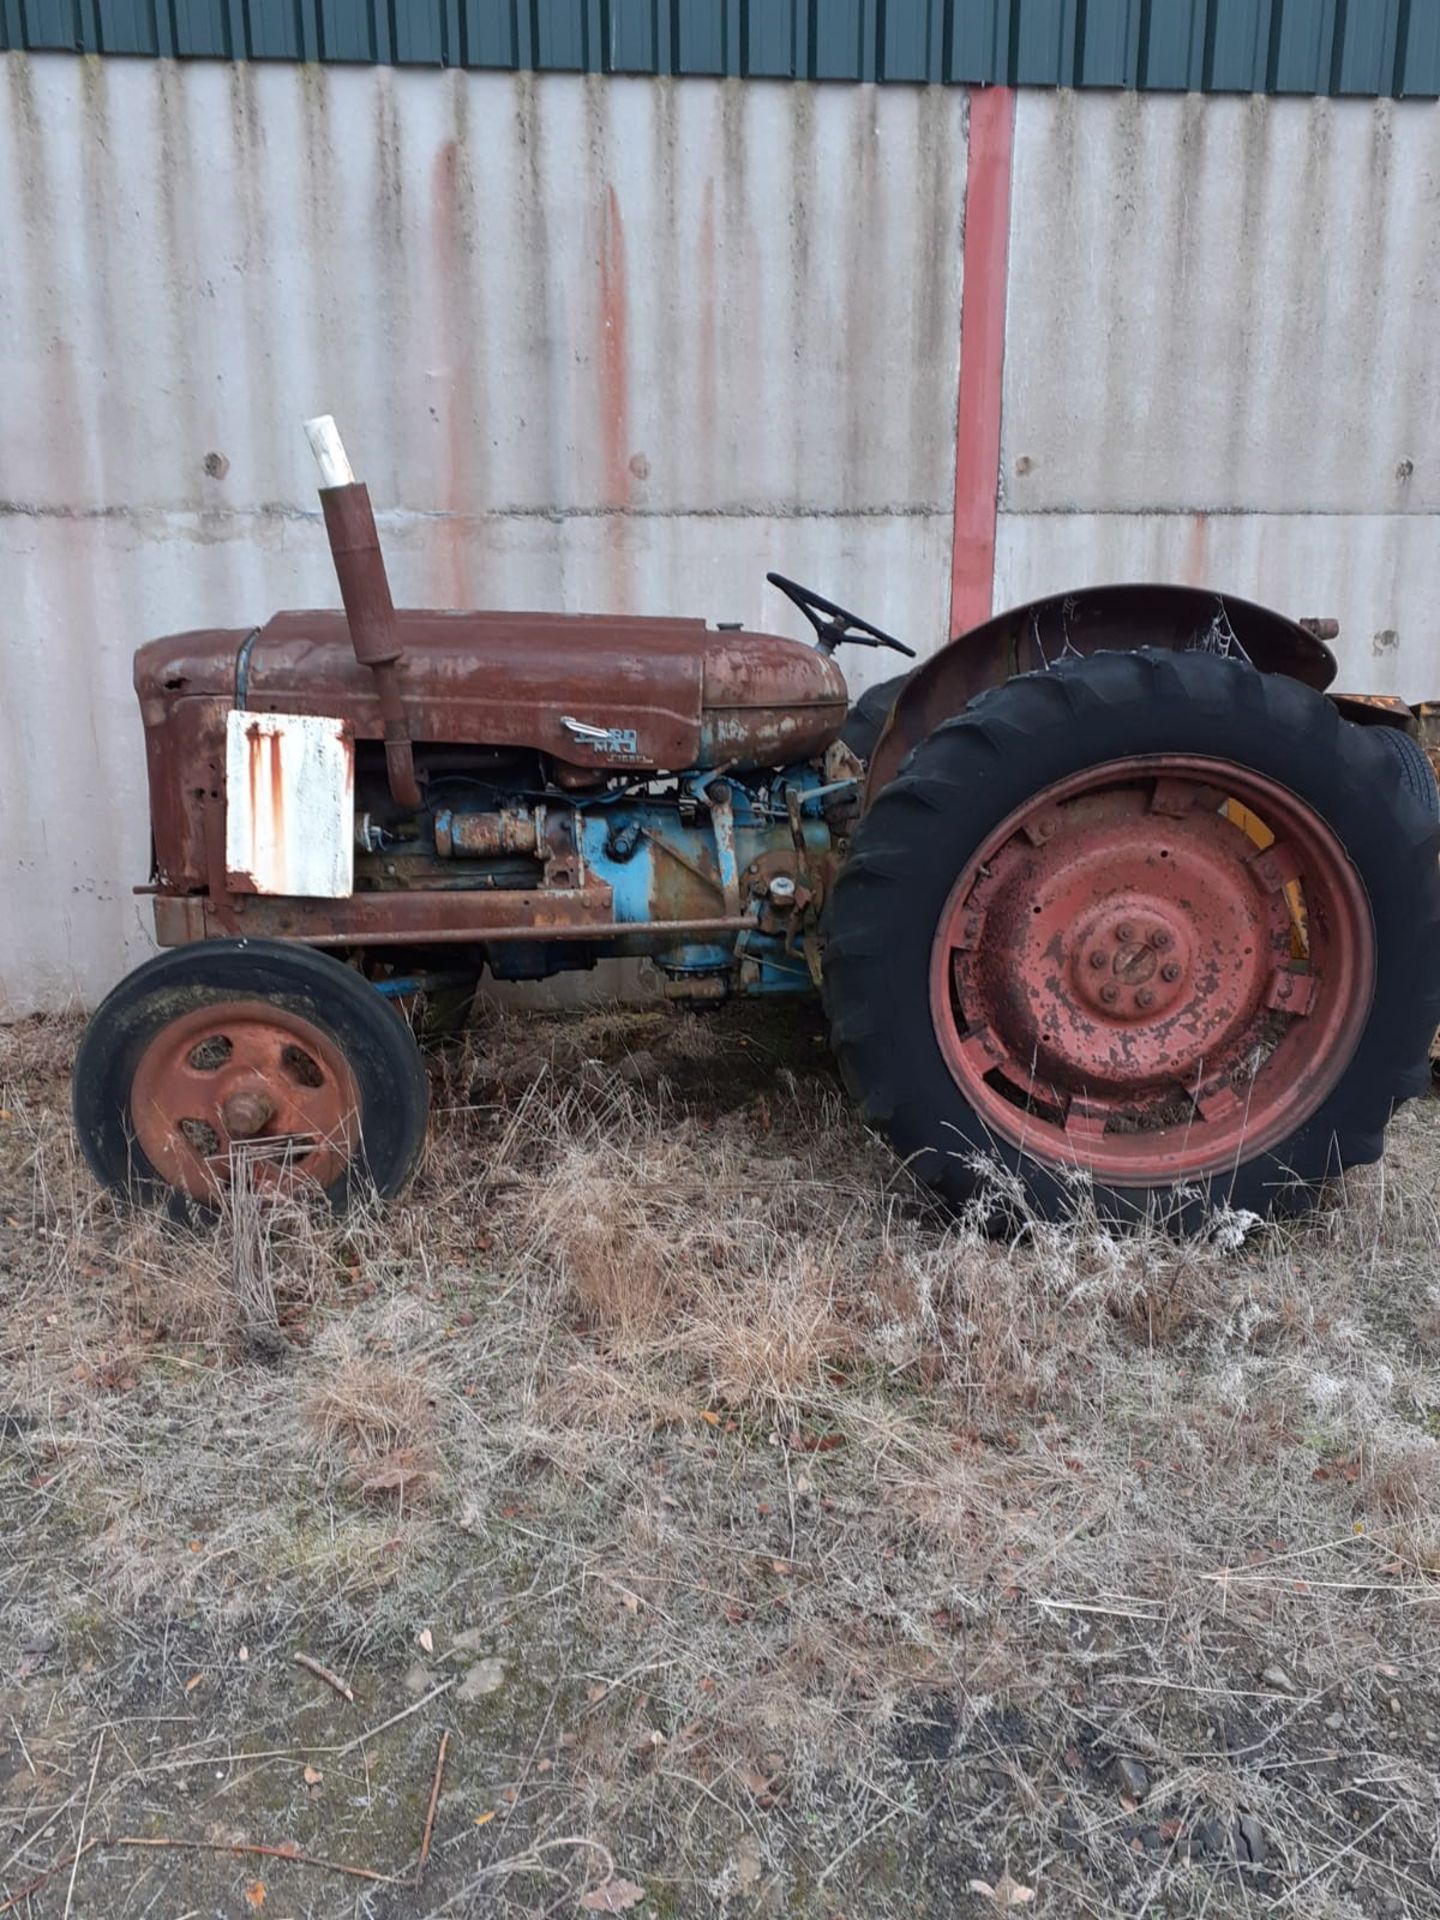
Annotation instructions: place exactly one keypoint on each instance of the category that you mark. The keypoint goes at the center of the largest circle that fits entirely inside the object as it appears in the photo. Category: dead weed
(849, 1552)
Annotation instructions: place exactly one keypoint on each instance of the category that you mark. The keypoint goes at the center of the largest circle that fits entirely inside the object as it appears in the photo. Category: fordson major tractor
(1106, 892)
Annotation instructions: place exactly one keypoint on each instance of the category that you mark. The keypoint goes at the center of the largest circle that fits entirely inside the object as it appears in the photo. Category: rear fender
(1116, 619)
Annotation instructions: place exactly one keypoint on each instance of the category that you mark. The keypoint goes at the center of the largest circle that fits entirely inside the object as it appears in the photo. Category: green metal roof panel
(1366, 52)
(492, 33)
(633, 37)
(130, 26)
(1172, 46)
(561, 37)
(1301, 39)
(701, 37)
(203, 27)
(1419, 54)
(1237, 44)
(272, 29)
(772, 41)
(346, 32)
(41, 24)
(1273, 46)
(1109, 48)
(1042, 43)
(837, 52)
(978, 39)
(912, 39)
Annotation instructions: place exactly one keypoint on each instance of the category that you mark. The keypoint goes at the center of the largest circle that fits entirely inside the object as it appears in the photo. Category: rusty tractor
(1108, 892)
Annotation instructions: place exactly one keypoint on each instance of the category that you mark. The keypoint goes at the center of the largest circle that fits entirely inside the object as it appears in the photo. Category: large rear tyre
(1152, 924)
(253, 1059)
(865, 721)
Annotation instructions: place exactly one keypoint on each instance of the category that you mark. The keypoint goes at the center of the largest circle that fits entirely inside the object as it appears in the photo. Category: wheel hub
(244, 1081)
(1150, 963)
(1116, 957)
(1132, 959)
(247, 1112)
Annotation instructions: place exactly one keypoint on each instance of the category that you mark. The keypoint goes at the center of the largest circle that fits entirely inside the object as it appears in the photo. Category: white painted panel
(289, 805)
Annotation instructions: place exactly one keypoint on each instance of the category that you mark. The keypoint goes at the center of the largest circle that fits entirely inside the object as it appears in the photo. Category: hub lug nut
(1097, 959)
(1109, 994)
(1125, 934)
(1170, 970)
(1161, 940)
(1145, 998)
(247, 1113)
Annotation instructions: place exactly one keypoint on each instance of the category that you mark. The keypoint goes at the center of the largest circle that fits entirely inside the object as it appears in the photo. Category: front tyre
(1151, 918)
(251, 1055)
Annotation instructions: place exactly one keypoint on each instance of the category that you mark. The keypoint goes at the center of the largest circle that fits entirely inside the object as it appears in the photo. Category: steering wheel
(834, 624)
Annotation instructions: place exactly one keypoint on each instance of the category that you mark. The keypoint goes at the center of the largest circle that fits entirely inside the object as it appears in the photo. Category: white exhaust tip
(329, 451)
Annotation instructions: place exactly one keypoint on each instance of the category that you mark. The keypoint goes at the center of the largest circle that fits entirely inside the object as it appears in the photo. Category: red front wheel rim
(1153, 970)
(245, 1084)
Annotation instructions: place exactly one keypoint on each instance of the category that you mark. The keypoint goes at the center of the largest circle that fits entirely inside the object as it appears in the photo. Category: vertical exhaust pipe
(365, 590)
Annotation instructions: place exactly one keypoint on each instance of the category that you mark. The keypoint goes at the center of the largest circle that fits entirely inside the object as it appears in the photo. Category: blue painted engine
(763, 852)
(718, 879)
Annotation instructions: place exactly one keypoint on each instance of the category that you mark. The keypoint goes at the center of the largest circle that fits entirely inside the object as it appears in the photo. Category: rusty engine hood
(691, 696)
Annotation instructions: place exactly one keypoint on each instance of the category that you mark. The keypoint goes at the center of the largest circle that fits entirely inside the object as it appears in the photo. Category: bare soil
(765, 1541)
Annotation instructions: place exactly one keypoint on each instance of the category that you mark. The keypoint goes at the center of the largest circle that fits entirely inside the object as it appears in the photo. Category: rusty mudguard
(1114, 619)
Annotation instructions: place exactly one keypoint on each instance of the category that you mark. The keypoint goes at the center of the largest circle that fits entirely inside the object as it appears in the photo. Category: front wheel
(1151, 922)
(253, 1059)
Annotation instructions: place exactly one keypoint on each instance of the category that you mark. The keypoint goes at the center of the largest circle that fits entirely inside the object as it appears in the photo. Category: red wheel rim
(1153, 970)
(244, 1084)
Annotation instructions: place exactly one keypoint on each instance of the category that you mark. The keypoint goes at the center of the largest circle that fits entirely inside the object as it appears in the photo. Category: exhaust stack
(365, 590)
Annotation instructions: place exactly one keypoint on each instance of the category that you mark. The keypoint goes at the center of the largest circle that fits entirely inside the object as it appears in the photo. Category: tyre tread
(942, 776)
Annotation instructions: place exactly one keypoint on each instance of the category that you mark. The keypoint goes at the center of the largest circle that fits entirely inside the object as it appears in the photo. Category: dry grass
(369, 1408)
(836, 1556)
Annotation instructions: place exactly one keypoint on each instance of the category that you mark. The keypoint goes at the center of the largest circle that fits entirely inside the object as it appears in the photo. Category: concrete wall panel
(596, 344)
(539, 295)
(1223, 304)
(1222, 365)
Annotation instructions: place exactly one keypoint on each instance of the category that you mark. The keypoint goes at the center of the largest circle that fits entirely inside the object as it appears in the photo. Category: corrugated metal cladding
(1221, 362)
(596, 348)
(1213, 46)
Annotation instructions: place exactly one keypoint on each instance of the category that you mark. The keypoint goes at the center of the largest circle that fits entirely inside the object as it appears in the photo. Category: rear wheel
(865, 722)
(253, 1059)
(1152, 918)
